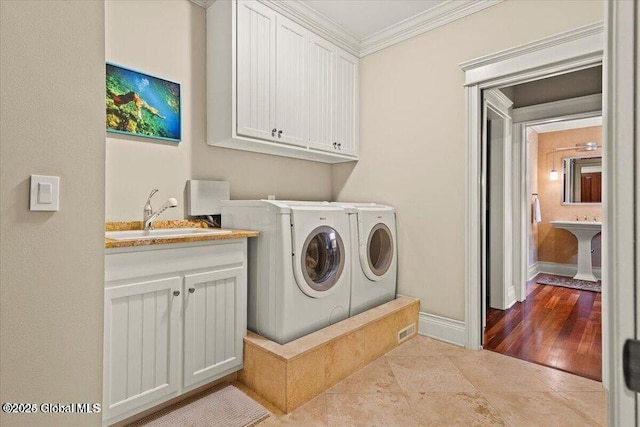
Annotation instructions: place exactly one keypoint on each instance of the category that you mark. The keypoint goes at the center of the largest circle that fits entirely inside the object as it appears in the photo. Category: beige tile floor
(425, 382)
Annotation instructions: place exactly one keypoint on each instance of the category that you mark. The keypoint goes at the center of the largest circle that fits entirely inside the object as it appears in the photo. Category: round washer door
(378, 252)
(322, 261)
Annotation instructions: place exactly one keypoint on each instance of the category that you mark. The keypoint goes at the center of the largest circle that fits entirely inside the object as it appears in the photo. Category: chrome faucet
(148, 210)
(149, 215)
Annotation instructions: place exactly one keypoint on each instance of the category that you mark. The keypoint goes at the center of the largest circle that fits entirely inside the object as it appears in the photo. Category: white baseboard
(442, 328)
(568, 270)
(533, 270)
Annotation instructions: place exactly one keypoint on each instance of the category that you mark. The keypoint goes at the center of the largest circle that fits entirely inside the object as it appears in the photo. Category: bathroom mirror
(582, 178)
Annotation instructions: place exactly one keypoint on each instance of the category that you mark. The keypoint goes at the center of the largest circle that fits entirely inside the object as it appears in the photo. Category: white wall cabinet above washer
(322, 93)
(346, 115)
(333, 96)
(256, 62)
(292, 82)
(275, 87)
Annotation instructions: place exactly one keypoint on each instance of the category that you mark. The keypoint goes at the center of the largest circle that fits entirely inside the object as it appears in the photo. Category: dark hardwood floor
(555, 326)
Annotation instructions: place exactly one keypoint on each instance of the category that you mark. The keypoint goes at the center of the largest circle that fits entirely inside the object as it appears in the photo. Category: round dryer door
(322, 259)
(379, 249)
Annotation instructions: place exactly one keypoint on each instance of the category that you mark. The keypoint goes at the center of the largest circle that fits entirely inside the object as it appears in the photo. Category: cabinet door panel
(142, 344)
(347, 103)
(292, 87)
(214, 323)
(322, 94)
(256, 70)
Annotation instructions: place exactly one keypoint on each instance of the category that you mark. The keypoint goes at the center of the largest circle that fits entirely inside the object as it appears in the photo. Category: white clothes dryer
(299, 266)
(374, 252)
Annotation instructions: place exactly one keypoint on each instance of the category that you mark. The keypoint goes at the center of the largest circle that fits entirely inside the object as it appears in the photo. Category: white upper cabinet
(322, 93)
(333, 94)
(256, 70)
(275, 87)
(292, 82)
(346, 111)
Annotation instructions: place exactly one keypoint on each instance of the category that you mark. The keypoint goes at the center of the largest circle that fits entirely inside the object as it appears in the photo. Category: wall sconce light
(553, 175)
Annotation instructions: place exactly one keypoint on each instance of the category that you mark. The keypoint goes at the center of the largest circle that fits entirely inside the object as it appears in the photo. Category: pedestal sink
(584, 232)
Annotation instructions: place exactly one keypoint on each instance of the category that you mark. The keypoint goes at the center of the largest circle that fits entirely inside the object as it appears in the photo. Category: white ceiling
(568, 124)
(366, 17)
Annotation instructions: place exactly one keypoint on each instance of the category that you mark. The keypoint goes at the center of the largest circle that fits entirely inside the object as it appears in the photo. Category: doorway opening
(543, 216)
(551, 57)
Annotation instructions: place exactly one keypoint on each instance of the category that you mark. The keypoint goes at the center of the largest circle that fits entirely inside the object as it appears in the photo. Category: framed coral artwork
(142, 105)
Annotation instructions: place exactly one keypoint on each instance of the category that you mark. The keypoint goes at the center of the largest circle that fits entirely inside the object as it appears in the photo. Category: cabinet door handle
(273, 131)
(192, 290)
(176, 293)
(339, 146)
(279, 134)
(335, 145)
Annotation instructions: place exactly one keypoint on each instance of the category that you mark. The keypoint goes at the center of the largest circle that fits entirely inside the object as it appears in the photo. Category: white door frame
(621, 216)
(497, 102)
(569, 109)
(566, 52)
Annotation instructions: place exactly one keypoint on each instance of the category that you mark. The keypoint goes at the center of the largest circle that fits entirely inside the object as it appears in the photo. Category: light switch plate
(45, 193)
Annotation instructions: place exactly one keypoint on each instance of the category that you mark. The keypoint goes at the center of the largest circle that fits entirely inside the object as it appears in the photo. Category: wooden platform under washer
(291, 374)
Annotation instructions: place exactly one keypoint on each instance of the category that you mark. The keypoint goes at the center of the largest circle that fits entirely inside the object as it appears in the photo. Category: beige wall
(555, 245)
(167, 39)
(51, 263)
(164, 39)
(412, 137)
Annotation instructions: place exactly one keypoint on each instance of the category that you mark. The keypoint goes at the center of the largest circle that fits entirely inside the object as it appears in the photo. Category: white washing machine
(374, 253)
(299, 266)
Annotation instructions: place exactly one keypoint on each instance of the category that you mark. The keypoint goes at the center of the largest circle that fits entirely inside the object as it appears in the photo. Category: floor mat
(225, 407)
(568, 282)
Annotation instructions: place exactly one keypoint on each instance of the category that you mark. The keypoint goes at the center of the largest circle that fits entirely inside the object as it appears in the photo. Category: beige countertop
(137, 225)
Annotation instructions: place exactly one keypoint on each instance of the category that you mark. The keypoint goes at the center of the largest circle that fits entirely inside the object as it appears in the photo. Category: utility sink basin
(162, 233)
(584, 232)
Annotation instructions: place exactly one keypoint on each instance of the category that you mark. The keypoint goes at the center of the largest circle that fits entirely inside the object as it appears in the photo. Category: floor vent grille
(406, 333)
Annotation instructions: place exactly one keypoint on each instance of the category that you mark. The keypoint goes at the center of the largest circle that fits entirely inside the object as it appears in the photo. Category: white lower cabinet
(211, 324)
(174, 321)
(142, 333)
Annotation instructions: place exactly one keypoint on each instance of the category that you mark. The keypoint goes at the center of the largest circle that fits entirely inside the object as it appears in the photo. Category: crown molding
(203, 3)
(559, 39)
(311, 19)
(316, 22)
(421, 23)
